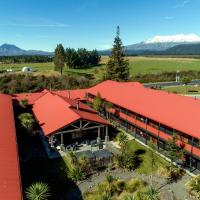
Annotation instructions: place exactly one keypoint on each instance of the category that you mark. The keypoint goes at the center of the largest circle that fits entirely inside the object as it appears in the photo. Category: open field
(183, 89)
(138, 65)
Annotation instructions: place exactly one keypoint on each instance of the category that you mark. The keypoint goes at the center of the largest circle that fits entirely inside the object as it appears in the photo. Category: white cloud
(53, 25)
(168, 18)
(182, 4)
(174, 38)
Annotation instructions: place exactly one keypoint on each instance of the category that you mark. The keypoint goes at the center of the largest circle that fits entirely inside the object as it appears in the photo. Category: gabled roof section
(72, 94)
(31, 97)
(176, 111)
(10, 183)
(53, 113)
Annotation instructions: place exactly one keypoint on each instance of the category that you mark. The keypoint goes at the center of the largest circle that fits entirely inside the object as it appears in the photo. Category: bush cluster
(25, 59)
(17, 83)
(166, 76)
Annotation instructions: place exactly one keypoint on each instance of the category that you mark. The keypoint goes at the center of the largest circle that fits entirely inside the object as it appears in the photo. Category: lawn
(138, 65)
(183, 89)
(145, 166)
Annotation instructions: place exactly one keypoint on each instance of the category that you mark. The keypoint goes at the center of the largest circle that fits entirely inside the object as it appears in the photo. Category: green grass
(138, 65)
(158, 65)
(145, 166)
(183, 89)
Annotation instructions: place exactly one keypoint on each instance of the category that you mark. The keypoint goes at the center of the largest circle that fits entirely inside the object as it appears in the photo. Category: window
(91, 96)
(166, 129)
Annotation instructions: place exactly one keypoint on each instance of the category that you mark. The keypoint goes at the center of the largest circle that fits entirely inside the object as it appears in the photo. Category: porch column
(62, 142)
(51, 141)
(99, 136)
(106, 137)
(191, 154)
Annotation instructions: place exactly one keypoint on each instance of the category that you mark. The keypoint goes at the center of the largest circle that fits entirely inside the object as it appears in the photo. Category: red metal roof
(72, 94)
(179, 112)
(10, 183)
(31, 97)
(54, 112)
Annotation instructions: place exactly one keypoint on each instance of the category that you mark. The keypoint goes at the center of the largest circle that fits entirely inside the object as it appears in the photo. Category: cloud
(53, 25)
(182, 4)
(168, 17)
(174, 38)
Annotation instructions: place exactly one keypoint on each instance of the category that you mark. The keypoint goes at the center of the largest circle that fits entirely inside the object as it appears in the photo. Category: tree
(97, 103)
(38, 191)
(117, 67)
(122, 139)
(186, 80)
(106, 106)
(153, 157)
(81, 58)
(27, 121)
(59, 58)
(175, 151)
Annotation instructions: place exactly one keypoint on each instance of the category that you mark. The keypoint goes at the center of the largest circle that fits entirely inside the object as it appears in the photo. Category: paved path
(168, 191)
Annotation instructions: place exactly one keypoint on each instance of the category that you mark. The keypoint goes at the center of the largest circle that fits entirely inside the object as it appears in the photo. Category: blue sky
(41, 24)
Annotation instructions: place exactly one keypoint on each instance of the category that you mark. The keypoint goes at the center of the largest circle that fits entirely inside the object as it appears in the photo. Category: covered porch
(79, 135)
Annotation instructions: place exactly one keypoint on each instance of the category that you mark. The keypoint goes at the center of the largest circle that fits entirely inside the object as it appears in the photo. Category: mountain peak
(180, 38)
(13, 50)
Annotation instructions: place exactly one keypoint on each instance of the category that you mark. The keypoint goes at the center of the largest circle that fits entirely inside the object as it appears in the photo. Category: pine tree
(117, 67)
(59, 58)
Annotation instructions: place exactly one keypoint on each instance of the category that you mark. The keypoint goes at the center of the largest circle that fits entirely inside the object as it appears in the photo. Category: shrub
(135, 184)
(194, 186)
(120, 186)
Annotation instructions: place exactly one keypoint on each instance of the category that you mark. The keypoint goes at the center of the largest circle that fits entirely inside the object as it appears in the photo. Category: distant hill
(184, 49)
(12, 50)
(160, 48)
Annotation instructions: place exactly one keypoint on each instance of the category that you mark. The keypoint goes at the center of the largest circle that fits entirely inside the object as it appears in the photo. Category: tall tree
(59, 58)
(117, 67)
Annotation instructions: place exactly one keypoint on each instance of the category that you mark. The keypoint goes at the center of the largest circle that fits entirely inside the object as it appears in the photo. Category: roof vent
(77, 104)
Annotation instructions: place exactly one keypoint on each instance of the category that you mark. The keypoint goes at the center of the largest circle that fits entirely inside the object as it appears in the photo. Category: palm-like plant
(73, 157)
(38, 191)
(151, 194)
(76, 174)
(85, 165)
(27, 121)
(109, 179)
(23, 103)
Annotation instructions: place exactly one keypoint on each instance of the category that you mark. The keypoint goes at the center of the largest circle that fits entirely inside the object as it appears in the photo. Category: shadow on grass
(52, 172)
(37, 167)
(139, 152)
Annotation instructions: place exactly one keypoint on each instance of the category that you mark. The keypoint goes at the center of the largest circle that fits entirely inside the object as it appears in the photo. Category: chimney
(77, 104)
(69, 94)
